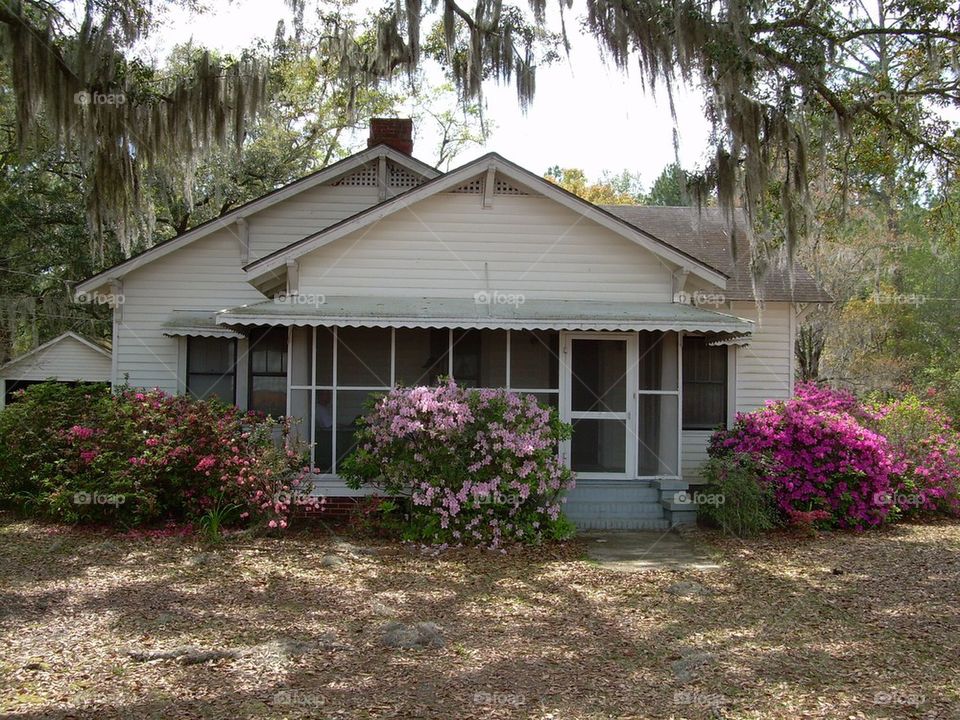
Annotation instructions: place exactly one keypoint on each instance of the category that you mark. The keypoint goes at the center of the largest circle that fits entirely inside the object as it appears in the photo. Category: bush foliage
(475, 466)
(86, 455)
(828, 458)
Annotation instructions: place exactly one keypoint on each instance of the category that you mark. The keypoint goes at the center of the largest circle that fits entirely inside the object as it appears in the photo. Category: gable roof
(319, 177)
(92, 344)
(705, 234)
(448, 181)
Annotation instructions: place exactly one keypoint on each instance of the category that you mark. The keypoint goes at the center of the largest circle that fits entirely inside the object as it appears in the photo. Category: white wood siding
(306, 213)
(450, 246)
(765, 365)
(205, 275)
(67, 360)
(694, 453)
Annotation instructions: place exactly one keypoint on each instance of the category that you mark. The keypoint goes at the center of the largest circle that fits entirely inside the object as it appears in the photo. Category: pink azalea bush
(135, 457)
(475, 466)
(817, 457)
(927, 448)
(830, 459)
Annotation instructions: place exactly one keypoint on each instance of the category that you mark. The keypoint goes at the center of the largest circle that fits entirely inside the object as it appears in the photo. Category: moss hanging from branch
(120, 118)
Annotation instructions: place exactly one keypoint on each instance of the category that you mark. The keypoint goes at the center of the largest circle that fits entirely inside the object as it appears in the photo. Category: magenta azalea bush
(86, 455)
(830, 459)
(475, 466)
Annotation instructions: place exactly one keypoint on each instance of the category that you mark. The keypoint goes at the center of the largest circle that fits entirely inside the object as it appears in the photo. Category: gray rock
(688, 588)
(330, 561)
(423, 634)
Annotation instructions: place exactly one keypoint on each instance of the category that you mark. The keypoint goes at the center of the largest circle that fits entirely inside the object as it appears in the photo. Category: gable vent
(400, 177)
(366, 176)
(474, 187)
(504, 188)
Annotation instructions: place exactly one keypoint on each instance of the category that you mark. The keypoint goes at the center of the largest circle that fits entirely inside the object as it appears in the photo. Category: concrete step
(624, 524)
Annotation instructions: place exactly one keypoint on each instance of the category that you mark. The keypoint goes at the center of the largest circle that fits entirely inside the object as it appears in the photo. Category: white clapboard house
(68, 358)
(378, 271)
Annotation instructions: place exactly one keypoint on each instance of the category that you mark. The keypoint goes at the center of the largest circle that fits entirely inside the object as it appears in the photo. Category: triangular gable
(469, 178)
(404, 172)
(51, 343)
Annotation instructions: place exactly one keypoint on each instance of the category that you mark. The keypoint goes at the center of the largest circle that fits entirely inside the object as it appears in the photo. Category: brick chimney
(395, 132)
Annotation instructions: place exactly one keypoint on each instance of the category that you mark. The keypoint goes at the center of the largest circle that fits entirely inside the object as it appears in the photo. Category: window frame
(701, 343)
(251, 373)
(233, 366)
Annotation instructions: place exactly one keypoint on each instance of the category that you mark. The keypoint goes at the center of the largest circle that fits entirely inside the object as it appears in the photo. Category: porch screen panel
(599, 377)
(657, 435)
(363, 357)
(535, 359)
(480, 358)
(598, 446)
(422, 356)
(658, 405)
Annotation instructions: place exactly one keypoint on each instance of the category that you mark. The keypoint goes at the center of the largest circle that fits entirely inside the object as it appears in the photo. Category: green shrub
(744, 505)
(86, 455)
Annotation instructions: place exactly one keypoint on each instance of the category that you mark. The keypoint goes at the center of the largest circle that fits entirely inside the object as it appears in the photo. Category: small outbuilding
(68, 358)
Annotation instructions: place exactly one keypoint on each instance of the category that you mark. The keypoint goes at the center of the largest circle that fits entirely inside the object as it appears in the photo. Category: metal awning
(494, 311)
(199, 323)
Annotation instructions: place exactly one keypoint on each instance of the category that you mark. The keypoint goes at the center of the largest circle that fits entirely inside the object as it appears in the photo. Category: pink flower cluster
(478, 466)
(827, 455)
(818, 457)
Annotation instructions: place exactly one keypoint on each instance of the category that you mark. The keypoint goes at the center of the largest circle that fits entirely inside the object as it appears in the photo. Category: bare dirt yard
(95, 625)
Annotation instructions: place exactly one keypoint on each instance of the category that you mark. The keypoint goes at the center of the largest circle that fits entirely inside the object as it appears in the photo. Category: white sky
(585, 114)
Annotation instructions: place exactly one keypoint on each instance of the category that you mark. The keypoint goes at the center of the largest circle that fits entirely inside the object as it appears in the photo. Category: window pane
(206, 387)
(534, 359)
(657, 435)
(598, 446)
(421, 355)
(551, 399)
(599, 377)
(480, 358)
(323, 450)
(657, 361)
(302, 361)
(269, 394)
(363, 357)
(210, 355)
(300, 410)
(324, 356)
(268, 351)
(704, 384)
(351, 405)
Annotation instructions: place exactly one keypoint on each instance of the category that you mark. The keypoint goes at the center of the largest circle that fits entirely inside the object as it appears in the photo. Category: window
(704, 384)
(268, 371)
(212, 368)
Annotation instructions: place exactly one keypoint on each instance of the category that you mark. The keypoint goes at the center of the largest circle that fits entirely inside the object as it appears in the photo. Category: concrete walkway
(632, 551)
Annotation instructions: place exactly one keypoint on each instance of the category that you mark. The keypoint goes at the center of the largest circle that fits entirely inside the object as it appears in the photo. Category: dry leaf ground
(836, 626)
